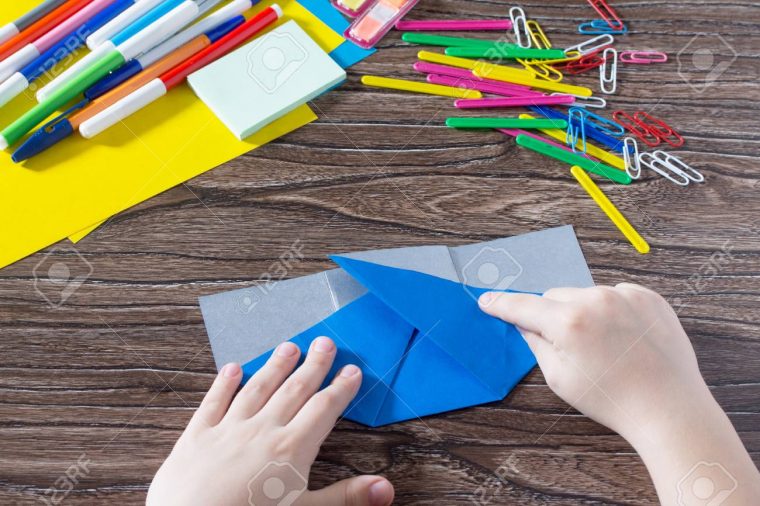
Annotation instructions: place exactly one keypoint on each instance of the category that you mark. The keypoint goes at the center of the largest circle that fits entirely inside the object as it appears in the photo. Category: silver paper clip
(608, 79)
(520, 26)
(664, 169)
(592, 45)
(632, 166)
(677, 164)
(581, 101)
(576, 132)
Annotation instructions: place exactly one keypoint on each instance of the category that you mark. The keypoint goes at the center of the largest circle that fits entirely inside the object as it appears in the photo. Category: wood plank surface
(114, 373)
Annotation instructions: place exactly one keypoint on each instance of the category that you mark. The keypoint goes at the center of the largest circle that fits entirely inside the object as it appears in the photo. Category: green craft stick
(496, 52)
(60, 98)
(505, 123)
(571, 158)
(427, 39)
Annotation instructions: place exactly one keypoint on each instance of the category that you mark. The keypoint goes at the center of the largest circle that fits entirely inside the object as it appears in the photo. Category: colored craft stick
(441, 71)
(610, 210)
(10, 30)
(442, 40)
(474, 83)
(451, 61)
(169, 80)
(496, 52)
(515, 132)
(509, 76)
(591, 132)
(574, 159)
(598, 153)
(504, 123)
(41, 27)
(453, 25)
(491, 103)
(417, 87)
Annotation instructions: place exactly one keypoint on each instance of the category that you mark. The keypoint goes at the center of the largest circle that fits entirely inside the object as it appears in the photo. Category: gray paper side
(432, 260)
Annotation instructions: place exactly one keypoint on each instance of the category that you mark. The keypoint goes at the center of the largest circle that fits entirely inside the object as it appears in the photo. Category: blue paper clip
(576, 129)
(604, 125)
(599, 27)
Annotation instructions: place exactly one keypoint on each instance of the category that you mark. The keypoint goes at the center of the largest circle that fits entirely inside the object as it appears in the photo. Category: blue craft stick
(145, 21)
(591, 132)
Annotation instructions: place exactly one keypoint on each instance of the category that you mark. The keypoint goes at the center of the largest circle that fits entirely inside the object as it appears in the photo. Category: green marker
(505, 123)
(571, 158)
(496, 52)
(426, 39)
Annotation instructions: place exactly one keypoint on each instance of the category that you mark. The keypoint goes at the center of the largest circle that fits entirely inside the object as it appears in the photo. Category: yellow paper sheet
(80, 183)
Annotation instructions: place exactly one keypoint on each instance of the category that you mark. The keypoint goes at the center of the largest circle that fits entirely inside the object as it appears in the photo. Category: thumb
(357, 491)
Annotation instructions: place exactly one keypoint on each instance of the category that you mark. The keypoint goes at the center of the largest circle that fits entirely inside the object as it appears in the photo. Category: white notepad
(266, 79)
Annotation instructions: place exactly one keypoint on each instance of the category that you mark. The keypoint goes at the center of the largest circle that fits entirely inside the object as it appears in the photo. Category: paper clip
(643, 57)
(608, 83)
(585, 63)
(664, 169)
(607, 13)
(632, 166)
(600, 27)
(592, 45)
(592, 102)
(655, 125)
(636, 128)
(576, 131)
(569, 58)
(520, 26)
(677, 164)
(540, 68)
(604, 125)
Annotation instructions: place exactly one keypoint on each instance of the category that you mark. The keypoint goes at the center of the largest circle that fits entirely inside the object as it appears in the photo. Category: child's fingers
(302, 384)
(217, 400)
(317, 418)
(357, 491)
(530, 312)
(265, 382)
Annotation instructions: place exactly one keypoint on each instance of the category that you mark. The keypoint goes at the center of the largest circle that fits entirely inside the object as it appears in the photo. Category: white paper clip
(664, 169)
(591, 102)
(608, 79)
(520, 26)
(632, 163)
(592, 45)
(676, 163)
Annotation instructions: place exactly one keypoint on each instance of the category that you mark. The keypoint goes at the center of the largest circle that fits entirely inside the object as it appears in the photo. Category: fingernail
(287, 349)
(230, 370)
(323, 345)
(485, 299)
(348, 371)
(380, 493)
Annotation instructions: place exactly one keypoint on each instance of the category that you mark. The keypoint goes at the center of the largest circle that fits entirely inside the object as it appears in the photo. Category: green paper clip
(426, 39)
(505, 123)
(571, 158)
(499, 51)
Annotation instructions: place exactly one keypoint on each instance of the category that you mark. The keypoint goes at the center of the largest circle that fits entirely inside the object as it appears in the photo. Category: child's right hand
(620, 356)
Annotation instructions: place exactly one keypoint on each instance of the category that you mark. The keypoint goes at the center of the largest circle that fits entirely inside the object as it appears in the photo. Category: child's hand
(620, 356)
(258, 448)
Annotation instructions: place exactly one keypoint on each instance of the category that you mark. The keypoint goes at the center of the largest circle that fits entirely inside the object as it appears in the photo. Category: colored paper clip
(541, 68)
(604, 125)
(591, 45)
(591, 132)
(585, 63)
(607, 13)
(608, 79)
(576, 129)
(631, 157)
(520, 26)
(659, 128)
(643, 57)
(676, 164)
(636, 128)
(592, 102)
(568, 58)
(600, 27)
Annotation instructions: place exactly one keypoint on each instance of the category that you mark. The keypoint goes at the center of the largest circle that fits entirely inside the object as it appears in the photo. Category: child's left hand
(258, 448)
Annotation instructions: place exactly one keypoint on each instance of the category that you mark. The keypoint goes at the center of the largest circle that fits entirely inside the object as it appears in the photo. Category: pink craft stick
(460, 82)
(445, 70)
(454, 25)
(524, 101)
(643, 57)
(57, 34)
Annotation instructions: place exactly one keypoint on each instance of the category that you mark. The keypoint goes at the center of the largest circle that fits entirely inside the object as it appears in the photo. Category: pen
(67, 123)
(160, 86)
(112, 60)
(14, 28)
(21, 80)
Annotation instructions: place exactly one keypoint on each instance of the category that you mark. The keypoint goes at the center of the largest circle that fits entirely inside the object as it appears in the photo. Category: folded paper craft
(408, 317)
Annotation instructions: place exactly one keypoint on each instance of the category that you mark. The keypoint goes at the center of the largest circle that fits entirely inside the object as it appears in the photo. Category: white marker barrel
(12, 87)
(123, 109)
(17, 61)
(120, 22)
(7, 32)
(73, 71)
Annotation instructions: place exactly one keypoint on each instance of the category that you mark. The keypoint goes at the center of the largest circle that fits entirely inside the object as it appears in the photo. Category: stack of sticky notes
(266, 79)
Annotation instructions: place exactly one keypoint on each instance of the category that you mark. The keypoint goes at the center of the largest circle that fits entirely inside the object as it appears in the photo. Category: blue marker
(21, 80)
(591, 132)
(60, 128)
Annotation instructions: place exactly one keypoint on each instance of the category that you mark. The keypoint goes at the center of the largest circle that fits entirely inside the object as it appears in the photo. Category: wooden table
(112, 376)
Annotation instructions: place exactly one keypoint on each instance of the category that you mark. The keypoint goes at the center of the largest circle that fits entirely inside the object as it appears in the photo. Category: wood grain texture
(115, 372)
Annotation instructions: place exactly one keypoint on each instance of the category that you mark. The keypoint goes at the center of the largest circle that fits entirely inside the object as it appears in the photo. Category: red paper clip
(586, 62)
(659, 128)
(636, 128)
(607, 13)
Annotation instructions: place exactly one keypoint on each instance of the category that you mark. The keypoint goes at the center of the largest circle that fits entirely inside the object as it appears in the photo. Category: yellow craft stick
(610, 210)
(591, 150)
(512, 76)
(418, 87)
(467, 63)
